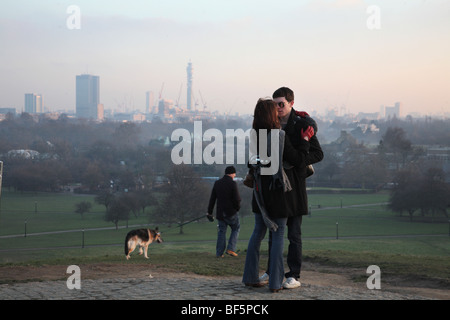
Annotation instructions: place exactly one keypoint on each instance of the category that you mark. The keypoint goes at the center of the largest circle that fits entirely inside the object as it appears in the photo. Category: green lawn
(49, 212)
(358, 242)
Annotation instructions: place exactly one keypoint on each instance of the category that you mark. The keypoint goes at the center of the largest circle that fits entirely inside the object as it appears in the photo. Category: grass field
(353, 236)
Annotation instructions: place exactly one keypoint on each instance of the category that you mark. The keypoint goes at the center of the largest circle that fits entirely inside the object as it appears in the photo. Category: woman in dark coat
(271, 197)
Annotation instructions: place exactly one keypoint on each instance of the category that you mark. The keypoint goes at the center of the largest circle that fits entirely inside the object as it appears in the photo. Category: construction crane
(178, 99)
(1, 174)
(160, 92)
(195, 101)
(203, 102)
(126, 105)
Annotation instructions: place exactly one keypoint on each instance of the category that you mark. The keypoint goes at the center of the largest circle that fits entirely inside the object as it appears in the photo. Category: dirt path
(315, 279)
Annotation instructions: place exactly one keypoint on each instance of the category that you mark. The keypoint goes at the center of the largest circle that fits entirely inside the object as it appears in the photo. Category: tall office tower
(398, 108)
(87, 96)
(149, 100)
(189, 70)
(33, 103)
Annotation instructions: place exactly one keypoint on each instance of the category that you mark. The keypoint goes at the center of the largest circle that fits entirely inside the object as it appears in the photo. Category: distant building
(4, 112)
(139, 117)
(8, 110)
(149, 101)
(189, 71)
(88, 97)
(100, 111)
(122, 117)
(367, 116)
(164, 107)
(393, 112)
(33, 103)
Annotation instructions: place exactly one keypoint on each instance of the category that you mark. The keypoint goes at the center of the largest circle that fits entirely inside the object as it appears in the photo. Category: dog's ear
(156, 229)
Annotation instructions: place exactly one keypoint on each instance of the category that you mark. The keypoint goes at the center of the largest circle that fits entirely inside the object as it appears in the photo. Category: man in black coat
(225, 191)
(295, 123)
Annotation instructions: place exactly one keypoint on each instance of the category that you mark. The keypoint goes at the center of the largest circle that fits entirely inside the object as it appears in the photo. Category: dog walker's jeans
(235, 226)
(251, 270)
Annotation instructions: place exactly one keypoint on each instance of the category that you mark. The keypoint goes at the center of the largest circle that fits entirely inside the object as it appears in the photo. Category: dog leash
(210, 218)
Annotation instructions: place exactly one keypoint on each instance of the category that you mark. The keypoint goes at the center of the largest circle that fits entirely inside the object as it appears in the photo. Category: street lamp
(1, 175)
(337, 230)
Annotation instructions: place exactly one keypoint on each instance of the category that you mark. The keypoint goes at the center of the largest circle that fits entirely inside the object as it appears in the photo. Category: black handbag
(309, 170)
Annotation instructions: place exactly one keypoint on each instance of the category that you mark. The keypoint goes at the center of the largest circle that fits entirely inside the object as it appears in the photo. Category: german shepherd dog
(141, 237)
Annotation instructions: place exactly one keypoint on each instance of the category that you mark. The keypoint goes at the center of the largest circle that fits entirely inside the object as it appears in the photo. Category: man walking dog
(225, 191)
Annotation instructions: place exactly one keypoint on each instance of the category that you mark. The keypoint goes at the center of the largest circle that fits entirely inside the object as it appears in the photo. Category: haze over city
(349, 54)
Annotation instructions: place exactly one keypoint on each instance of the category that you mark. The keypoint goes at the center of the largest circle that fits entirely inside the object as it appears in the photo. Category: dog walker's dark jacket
(225, 192)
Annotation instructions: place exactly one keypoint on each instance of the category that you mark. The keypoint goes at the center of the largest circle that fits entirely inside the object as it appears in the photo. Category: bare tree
(117, 210)
(420, 190)
(83, 207)
(395, 141)
(405, 196)
(186, 198)
(105, 198)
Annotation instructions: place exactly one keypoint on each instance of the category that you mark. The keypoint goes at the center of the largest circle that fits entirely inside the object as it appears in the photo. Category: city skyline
(326, 51)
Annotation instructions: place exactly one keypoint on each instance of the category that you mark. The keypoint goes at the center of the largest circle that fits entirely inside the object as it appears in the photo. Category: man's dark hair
(230, 170)
(285, 92)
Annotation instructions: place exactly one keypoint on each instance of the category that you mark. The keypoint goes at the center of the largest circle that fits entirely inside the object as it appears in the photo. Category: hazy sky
(240, 49)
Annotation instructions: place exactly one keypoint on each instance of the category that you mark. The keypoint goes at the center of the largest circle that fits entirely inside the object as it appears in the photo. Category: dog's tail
(126, 243)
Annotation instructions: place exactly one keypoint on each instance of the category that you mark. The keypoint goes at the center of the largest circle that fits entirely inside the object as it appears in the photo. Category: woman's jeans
(251, 270)
(233, 222)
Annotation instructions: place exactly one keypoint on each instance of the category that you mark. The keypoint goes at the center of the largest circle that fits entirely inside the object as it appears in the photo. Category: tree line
(417, 183)
(129, 158)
